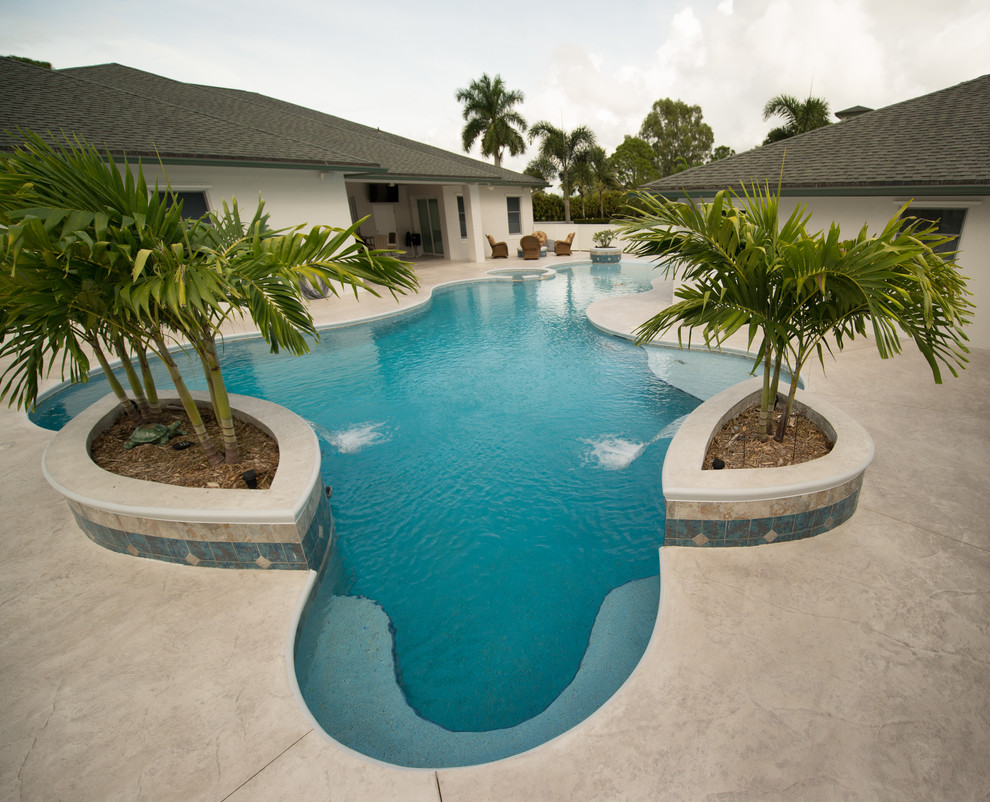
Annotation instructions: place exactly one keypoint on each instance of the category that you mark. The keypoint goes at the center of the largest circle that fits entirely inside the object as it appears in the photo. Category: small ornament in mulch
(153, 433)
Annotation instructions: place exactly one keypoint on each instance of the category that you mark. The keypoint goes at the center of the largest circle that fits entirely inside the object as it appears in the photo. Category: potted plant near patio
(93, 262)
(795, 294)
(603, 252)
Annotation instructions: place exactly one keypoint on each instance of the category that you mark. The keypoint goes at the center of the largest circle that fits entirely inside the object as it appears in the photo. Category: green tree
(91, 258)
(675, 131)
(799, 117)
(602, 174)
(45, 65)
(721, 152)
(488, 109)
(560, 153)
(633, 163)
(547, 207)
(796, 293)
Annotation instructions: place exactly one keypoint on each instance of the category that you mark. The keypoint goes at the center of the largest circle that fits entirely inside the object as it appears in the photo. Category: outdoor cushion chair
(542, 237)
(530, 247)
(562, 247)
(499, 249)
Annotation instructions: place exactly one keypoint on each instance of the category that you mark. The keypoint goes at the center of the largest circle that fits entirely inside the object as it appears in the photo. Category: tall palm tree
(560, 152)
(603, 175)
(800, 117)
(490, 117)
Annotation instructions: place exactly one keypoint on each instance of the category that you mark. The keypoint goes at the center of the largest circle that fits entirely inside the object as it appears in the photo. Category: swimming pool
(495, 463)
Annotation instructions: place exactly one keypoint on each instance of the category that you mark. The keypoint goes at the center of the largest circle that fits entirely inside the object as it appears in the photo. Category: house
(309, 167)
(933, 150)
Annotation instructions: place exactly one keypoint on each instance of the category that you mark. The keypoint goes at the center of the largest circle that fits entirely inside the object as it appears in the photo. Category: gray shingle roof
(127, 111)
(939, 141)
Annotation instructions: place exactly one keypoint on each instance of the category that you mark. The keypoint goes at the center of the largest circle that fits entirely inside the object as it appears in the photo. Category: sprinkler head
(182, 444)
(250, 478)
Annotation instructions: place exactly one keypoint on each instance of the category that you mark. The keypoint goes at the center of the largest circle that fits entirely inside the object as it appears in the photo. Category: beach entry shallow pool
(495, 463)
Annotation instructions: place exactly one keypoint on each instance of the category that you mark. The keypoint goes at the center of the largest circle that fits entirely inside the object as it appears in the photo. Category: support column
(477, 244)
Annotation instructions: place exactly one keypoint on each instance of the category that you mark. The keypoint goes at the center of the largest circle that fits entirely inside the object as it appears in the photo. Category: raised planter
(605, 256)
(753, 506)
(288, 526)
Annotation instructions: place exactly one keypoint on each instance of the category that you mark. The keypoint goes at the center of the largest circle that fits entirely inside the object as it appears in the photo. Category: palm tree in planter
(797, 293)
(561, 152)
(71, 217)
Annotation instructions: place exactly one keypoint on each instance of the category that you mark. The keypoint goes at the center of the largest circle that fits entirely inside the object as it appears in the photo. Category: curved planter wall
(288, 526)
(605, 256)
(753, 506)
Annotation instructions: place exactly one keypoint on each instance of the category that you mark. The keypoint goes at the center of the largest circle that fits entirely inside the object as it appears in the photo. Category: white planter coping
(684, 480)
(69, 468)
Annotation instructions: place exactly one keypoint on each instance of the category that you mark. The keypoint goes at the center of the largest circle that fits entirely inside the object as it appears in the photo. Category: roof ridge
(132, 91)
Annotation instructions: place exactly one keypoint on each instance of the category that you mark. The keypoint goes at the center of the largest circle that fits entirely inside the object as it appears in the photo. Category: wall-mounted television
(383, 193)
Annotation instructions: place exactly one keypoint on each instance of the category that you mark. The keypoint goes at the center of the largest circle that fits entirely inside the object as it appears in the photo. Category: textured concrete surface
(853, 665)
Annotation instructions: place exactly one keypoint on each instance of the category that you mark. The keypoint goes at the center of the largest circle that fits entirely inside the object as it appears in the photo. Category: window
(193, 203)
(949, 223)
(515, 215)
(462, 216)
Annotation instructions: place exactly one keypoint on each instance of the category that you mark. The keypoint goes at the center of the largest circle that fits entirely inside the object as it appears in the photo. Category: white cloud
(395, 66)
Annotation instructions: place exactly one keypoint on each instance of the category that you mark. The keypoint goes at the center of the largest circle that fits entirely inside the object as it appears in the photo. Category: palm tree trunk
(188, 404)
(782, 425)
(765, 402)
(151, 391)
(115, 385)
(221, 402)
(132, 379)
(774, 388)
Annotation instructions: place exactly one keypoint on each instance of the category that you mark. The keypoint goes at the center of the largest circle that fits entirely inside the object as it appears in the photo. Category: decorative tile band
(220, 553)
(759, 531)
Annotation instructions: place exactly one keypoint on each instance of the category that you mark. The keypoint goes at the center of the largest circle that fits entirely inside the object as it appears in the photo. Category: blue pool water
(496, 463)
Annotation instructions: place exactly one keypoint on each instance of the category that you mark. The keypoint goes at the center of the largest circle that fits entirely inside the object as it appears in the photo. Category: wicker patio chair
(530, 247)
(562, 247)
(542, 237)
(499, 249)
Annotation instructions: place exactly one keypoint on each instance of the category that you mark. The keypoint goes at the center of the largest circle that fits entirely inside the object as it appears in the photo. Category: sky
(397, 65)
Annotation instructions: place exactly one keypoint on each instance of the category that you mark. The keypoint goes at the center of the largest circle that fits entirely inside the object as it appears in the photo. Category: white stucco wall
(974, 245)
(292, 197)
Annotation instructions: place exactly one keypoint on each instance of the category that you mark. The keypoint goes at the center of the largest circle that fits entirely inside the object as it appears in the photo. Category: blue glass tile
(804, 521)
(713, 530)
(157, 545)
(821, 515)
(200, 549)
(177, 549)
(294, 553)
(690, 529)
(224, 552)
(758, 527)
(736, 531)
(247, 553)
(272, 552)
(138, 541)
(783, 524)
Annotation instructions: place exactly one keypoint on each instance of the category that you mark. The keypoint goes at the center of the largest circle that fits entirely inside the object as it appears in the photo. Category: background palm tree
(800, 117)
(490, 117)
(560, 153)
(604, 176)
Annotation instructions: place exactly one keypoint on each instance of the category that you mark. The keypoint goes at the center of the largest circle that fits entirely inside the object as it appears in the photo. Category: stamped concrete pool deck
(853, 665)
